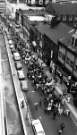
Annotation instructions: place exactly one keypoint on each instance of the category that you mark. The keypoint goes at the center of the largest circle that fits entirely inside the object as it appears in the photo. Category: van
(16, 56)
(21, 75)
(37, 127)
(18, 65)
(24, 85)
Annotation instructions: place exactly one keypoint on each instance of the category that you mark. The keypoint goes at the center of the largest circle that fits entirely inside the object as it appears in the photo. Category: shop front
(26, 27)
(49, 50)
(36, 38)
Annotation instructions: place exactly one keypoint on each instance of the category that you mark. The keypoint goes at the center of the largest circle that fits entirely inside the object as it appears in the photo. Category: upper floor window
(75, 18)
(58, 18)
(70, 18)
(67, 60)
(64, 18)
(61, 56)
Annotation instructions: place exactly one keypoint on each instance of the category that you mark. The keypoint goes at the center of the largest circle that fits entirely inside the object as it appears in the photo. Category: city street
(13, 122)
(50, 125)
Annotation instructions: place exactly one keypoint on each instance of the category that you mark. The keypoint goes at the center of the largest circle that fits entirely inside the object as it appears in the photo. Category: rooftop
(31, 11)
(54, 33)
(67, 42)
(62, 9)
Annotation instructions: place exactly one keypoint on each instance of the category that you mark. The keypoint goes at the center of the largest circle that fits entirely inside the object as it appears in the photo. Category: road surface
(13, 122)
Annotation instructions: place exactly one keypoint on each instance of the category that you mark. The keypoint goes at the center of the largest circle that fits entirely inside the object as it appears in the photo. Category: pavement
(60, 88)
(49, 125)
(24, 113)
(2, 123)
(11, 112)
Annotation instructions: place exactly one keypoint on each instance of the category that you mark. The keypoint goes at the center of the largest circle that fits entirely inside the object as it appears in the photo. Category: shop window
(60, 54)
(71, 64)
(63, 56)
(75, 68)
(64, 18)
(67, 60)
(75, 18)
(58, 18)
(70, 18)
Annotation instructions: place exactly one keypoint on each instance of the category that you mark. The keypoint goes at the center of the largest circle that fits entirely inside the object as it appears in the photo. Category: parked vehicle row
(18, 64)
(35, 123)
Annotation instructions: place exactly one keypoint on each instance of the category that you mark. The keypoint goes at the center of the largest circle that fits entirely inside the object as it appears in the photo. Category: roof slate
(54, 33)
(62, 9)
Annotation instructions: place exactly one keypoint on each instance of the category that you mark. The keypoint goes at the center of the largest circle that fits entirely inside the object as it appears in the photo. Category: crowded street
(39, 95)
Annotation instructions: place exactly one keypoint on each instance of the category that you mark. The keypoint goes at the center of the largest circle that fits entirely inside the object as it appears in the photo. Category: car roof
(18, 63)
(24, 84)
(10, 41)
(16, 53)
(20, 72)
(38, 125)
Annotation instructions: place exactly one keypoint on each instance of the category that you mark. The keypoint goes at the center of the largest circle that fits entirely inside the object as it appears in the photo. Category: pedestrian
(54, 114)
(59, 132)
(40, 103)
(36, 107)
(62, 126)
(61, 129)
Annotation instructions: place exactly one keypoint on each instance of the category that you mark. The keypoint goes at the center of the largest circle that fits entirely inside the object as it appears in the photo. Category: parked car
(10, 41)
(18, 65)
(17, 26)
(21, 74)
(37, 127)
(11, 46)
(16, 56)
(22, 103)
(9, 37)
(24, 85)
(13, 50)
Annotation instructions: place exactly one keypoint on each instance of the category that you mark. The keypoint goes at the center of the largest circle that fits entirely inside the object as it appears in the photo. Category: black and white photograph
(38, 67)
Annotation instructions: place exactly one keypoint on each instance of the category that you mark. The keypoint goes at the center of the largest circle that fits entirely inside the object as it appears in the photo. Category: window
(75, 68)
(70, 18)
(60, 54)
(71, 63)
(64, 18)
(63, 56)
(67, 60)
(75, 18)
(58, 18)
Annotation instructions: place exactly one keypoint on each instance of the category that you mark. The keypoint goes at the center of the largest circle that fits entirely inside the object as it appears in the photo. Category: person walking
(54, 113)
(61, 129)
(40, 103)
